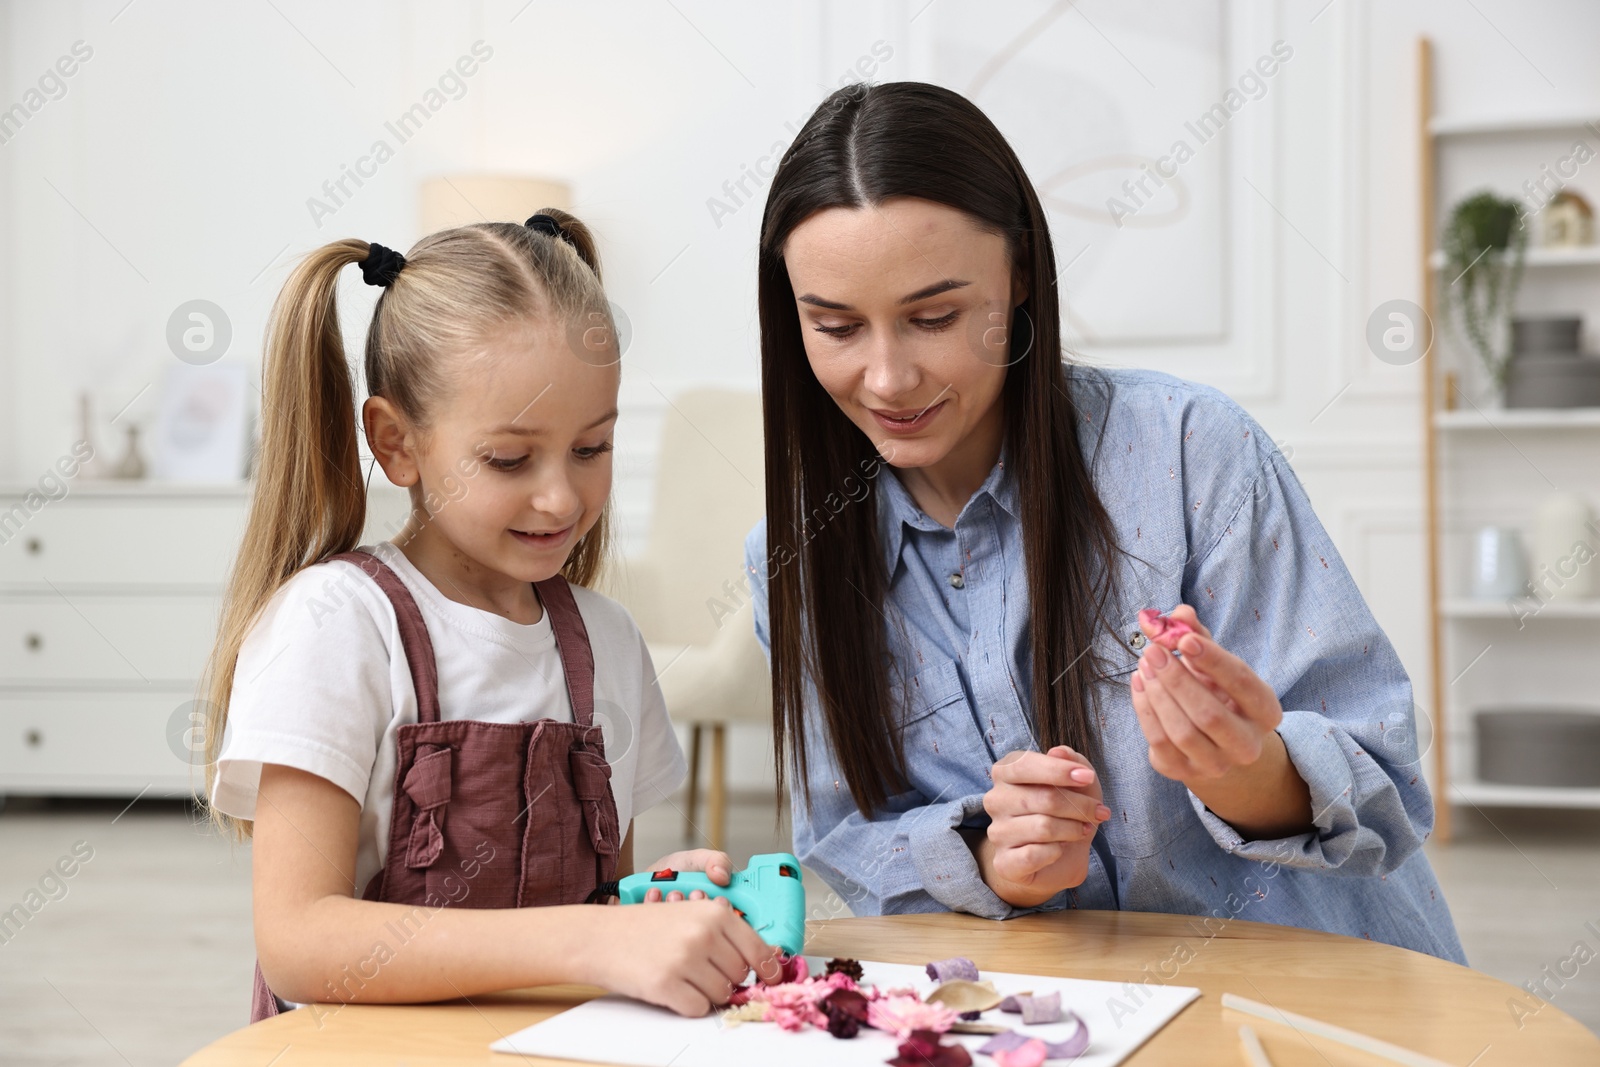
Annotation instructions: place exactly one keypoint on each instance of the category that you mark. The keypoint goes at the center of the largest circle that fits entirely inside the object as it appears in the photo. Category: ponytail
(309, 501)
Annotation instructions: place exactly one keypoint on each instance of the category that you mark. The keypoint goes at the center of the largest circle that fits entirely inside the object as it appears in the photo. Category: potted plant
(1483, 243)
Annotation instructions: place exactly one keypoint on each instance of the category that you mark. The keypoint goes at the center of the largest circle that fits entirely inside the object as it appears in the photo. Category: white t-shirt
(322, 685)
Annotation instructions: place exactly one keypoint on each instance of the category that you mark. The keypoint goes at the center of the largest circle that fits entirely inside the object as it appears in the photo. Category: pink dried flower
(795, 969)
(1028, 1054)
(1167, 629)
(900, 1015)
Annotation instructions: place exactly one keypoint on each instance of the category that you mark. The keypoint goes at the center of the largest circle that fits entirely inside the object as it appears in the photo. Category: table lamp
(459, 199)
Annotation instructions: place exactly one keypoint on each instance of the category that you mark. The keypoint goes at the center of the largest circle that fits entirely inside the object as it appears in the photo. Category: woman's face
(905, 308)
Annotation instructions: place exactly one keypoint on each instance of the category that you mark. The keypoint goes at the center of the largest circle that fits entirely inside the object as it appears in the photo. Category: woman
(961, 532)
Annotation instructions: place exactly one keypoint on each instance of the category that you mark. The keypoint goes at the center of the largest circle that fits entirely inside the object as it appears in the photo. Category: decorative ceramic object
(1547, 370)
(1499, 567)
(94, 466)
(1564, 560)
(131, 465)
(1567, 221)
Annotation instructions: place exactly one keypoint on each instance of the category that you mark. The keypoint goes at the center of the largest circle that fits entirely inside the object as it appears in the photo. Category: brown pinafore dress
(490, 814)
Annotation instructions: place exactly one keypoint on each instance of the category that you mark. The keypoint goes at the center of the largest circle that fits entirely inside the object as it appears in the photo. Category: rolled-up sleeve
(910, 856)
(1274, 591)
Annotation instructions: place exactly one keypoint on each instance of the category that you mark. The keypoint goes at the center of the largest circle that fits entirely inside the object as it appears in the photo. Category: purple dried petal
(952, 969)
(1010, 1003)
(1044, 1008)
(1071, 1048)
(1002, 1042)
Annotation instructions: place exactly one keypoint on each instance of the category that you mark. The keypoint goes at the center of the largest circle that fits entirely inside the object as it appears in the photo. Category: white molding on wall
(8, 337)
(1366, 377)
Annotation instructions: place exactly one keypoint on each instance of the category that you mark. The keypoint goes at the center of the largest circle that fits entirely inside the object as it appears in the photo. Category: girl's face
(905, 308)
(516, 466)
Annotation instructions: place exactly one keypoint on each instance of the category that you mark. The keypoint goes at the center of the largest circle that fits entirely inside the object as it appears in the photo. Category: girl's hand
(1044, 807)
(717, 866)
(688, 958)
(1205, 714)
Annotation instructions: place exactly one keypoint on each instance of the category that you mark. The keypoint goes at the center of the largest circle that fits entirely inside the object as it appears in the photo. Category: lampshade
(459, 199)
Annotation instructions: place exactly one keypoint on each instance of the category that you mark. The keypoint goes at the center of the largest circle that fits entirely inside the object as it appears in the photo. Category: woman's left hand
(1204, 714)
(716, 865)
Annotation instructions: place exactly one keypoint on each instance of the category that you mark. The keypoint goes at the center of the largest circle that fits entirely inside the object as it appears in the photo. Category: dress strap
(572, 642)
(413, 631)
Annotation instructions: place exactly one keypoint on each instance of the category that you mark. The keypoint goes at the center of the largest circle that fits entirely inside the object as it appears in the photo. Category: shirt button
(956, 581)
(1136, 640)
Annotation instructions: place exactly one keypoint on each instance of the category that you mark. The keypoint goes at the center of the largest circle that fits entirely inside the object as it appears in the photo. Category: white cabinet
(108, 606)
(109, 599)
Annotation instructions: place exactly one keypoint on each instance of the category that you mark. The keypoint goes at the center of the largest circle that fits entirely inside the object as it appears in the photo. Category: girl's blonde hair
(458, 288)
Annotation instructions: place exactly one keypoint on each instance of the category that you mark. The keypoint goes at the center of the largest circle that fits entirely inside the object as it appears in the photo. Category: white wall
(179, 162)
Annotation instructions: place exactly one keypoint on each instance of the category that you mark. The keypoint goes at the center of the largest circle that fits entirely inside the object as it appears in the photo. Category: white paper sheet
(616, 1030)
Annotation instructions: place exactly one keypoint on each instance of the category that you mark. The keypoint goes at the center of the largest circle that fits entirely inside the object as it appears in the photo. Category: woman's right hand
(687, 956)
(1044, 807)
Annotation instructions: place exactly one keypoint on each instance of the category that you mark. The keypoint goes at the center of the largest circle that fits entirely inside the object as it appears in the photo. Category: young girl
(412, 731)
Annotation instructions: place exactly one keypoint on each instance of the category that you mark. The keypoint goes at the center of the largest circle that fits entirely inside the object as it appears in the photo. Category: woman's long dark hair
(827, 583)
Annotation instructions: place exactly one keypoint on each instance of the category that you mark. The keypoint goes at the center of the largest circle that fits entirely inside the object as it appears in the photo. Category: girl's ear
(1019, 289)
(389, 436)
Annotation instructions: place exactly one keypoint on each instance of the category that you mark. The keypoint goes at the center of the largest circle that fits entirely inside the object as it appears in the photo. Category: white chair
(687, 590)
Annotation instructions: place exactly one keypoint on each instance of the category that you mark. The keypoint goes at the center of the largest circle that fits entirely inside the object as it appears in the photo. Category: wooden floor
(145, 953)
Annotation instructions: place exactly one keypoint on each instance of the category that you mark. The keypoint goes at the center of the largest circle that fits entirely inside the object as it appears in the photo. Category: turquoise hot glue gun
(768, 894)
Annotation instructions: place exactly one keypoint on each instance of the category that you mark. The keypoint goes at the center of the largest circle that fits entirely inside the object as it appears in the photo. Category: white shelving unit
(1587, 256)
(1486, 464)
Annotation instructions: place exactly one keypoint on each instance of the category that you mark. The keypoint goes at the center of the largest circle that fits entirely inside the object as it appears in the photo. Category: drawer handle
(34, 738)
(34, 642)
(35, 546)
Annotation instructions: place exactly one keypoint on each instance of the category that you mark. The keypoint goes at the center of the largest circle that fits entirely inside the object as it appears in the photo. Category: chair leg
(717, 788)
(694, 782)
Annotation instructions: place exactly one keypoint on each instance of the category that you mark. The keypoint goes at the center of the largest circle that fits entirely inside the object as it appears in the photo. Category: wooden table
(1447, 1011)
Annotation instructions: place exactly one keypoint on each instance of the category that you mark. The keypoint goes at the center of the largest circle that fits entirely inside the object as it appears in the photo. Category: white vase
(1565, 548)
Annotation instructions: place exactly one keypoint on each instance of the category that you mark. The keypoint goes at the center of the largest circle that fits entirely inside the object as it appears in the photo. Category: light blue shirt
(1200, 494)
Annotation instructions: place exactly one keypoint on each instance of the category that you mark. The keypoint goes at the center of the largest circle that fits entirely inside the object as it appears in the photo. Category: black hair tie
(382, 265)
(547, 225)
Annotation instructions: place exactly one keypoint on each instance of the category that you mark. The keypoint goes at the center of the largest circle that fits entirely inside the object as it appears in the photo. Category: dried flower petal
(848, 1001)
(843, 1026)
(952, 969)
(1003, 1042)
(922, 1049)
(840, 965)
(1044, 1008)
(966, 1027)
(1028, 1054)
(901, 1016)
(794, 969)
(965, 996)
(749, 1012)
(1071, 1048)
(1167, 629)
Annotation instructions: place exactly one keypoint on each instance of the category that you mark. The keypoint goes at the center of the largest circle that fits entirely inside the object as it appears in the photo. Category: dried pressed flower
(953, 968)
(965, 997)
(923, 1049)
(840, 965)
(901, 1016)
